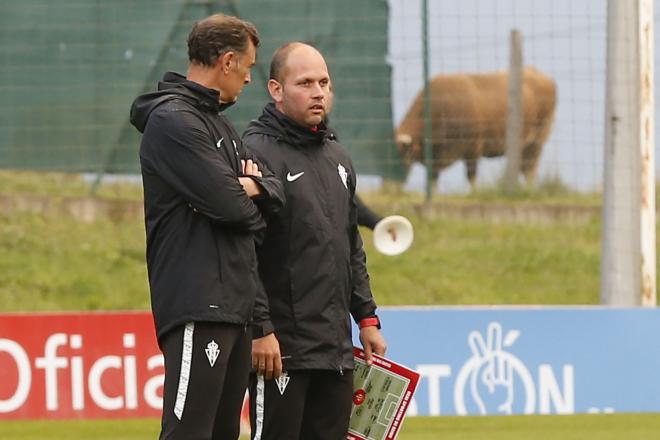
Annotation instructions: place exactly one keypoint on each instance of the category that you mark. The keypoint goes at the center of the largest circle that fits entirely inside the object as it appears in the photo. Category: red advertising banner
(79, 365)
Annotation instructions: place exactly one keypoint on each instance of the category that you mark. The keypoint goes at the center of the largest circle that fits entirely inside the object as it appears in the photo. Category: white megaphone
(393, 235)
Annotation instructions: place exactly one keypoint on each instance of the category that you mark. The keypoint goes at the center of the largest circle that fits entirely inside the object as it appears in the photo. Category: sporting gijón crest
(212, 352)
(282, 382)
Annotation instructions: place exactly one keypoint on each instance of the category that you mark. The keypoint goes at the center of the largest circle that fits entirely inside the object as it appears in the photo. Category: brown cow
(468, 113)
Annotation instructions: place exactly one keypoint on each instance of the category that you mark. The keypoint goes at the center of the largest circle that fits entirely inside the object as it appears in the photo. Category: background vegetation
(55, 262)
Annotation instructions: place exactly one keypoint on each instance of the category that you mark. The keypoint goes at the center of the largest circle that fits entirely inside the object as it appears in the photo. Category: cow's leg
(437, 168)
(530, 161)
(471, 170)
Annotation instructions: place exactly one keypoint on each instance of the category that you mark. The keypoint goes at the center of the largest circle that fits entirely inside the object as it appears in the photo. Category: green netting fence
(70, 70)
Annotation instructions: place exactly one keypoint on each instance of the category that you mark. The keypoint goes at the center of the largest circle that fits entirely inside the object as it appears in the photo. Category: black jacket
(311, 261)
(366, 217)
(201, 225)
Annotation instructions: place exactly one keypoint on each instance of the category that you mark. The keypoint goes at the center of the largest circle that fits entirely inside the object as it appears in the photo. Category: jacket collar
(276, 123)
(204, 97)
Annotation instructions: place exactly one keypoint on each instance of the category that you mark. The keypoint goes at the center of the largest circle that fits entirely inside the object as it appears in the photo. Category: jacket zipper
(317, 158)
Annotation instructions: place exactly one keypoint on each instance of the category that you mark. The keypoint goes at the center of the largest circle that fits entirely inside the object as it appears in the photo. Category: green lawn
(465, 262)
(56, 263)
(62, 185)
(60, 264)
(577, 427)
(73, 185)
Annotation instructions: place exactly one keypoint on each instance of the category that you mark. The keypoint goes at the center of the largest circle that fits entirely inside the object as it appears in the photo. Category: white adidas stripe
(184, 377)
(259, 423)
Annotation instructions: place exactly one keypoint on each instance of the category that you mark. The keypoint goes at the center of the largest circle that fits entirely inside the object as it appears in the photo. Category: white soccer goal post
(628, 264)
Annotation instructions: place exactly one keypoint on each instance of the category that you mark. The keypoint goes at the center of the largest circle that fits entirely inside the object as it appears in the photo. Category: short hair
(279, 58)
(218, 34)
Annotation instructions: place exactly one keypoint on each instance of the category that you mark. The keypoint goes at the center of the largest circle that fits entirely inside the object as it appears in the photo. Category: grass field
(63, 185)
(61, 264)
(73, 185)
(577, 427)
(57, 263)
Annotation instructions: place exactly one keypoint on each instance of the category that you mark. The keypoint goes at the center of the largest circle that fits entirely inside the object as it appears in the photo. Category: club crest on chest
(343, 175)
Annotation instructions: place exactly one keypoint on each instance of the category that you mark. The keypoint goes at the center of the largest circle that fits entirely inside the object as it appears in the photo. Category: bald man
(311, 262)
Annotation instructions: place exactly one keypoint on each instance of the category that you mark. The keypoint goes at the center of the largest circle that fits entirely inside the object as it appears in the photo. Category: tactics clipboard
(381, 395)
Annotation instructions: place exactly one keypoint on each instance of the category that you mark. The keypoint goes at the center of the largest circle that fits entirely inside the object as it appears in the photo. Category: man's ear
(275, 90)
(226, 60)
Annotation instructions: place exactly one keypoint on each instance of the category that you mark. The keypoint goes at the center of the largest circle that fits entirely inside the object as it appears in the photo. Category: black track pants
(206, 374)
(307, 405)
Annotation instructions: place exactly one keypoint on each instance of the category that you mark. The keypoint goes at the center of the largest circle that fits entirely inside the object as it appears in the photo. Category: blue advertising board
(527, 360)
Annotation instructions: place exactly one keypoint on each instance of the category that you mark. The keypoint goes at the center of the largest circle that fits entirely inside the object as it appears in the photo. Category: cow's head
(410, 149)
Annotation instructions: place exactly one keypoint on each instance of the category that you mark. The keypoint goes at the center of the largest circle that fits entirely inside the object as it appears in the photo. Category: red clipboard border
(400, 370)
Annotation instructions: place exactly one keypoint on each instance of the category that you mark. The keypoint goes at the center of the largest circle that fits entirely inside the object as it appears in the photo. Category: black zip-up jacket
(366, 217)
(311, 261)
(201, 225)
